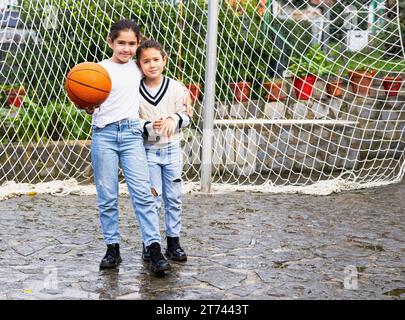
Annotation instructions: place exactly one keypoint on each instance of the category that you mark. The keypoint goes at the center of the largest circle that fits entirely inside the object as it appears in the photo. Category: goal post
(209, 99)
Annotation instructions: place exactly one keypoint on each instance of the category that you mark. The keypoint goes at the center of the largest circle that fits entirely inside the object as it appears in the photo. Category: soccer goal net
(308, 94)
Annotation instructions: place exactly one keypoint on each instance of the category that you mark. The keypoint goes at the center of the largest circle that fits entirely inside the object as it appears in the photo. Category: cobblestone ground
(241, 246)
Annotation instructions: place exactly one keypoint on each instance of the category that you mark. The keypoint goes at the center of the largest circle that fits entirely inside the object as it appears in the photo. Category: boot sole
(161, 269)
(177, 259)
(110, 265)
(174, 258)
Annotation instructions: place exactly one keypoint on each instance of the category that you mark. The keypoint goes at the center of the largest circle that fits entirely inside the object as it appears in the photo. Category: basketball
(88, 85)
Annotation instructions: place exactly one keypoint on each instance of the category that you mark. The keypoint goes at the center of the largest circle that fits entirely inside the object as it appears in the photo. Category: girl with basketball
(117, 138)
(163, 108)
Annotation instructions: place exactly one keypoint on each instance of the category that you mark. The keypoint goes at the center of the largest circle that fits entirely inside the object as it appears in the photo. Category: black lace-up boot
(145, 253)
(158, 261)
(112, 257)
(174, 251)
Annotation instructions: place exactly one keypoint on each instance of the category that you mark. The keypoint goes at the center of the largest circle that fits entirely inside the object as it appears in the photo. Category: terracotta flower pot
(14, 100)
(241, 90)
(195, 90)
(274, 90)
(304, 86)
(15, 97)
(334, 88)
(360, 82)
(392, 85)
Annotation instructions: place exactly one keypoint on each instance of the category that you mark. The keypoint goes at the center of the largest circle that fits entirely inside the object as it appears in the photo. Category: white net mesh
(290, 114)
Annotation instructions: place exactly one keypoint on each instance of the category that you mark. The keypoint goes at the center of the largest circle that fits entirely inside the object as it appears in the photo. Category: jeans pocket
(96, 129)
(137, 131)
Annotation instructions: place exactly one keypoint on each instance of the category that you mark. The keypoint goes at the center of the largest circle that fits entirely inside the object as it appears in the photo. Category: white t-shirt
(153, 91)
(123, 101)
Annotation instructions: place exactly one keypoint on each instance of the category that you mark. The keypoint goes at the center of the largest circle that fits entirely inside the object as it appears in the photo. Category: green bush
(374, 61)
(33, 123)
(315, 62)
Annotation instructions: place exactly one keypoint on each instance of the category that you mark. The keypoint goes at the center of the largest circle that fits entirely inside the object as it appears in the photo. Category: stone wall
(45, 161)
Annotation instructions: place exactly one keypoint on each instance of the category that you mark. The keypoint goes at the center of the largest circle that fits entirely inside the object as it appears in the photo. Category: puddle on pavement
(280, 264)
(365, 245)
(396, 293)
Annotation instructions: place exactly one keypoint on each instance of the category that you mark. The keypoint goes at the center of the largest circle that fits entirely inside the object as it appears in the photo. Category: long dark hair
(123, 24)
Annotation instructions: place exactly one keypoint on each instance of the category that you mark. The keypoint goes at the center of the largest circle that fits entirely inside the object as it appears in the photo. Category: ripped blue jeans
(122, 142)
(165, 169)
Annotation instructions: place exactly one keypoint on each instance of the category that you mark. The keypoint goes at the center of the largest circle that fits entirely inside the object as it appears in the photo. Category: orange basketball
(88, 84)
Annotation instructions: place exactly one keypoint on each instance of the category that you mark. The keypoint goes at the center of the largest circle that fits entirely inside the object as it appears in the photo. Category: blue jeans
(122, 142)
(165, 169)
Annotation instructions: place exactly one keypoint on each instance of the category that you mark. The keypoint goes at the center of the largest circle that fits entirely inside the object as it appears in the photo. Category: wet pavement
(349, 245)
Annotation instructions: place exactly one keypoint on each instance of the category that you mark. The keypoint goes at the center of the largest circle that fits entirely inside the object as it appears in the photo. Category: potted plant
(14, 95)
(361, 80)
(304, 78)
(334, 87)
(241, 90)
(268, 76)
(334, 81)
(307, 69)
(195, 90)
(392, 84)
(274, 90)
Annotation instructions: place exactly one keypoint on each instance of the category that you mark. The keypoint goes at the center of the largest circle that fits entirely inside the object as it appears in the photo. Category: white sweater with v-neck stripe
(165, 101)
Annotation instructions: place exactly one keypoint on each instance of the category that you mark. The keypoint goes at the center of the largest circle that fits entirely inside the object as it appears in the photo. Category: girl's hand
(90, 110)
(187, 101)
(168, 127)
(157, 124)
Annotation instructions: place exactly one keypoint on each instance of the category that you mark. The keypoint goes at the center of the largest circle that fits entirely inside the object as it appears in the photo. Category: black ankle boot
(158, 261)
(145, 253)
(112, 257)
(174, 251)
